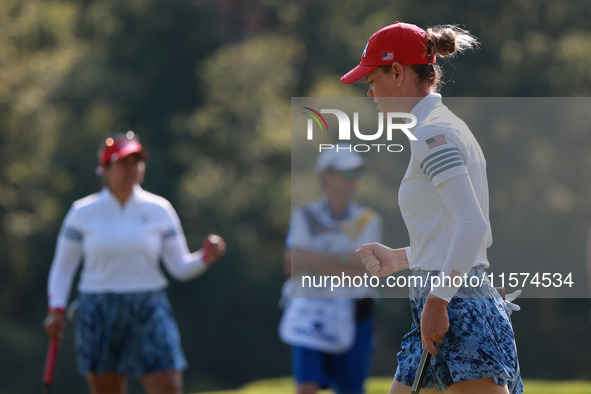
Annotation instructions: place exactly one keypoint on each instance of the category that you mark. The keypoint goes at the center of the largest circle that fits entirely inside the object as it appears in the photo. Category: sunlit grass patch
(382, 385)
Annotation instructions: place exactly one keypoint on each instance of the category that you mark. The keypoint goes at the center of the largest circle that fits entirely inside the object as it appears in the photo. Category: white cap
(339, 160)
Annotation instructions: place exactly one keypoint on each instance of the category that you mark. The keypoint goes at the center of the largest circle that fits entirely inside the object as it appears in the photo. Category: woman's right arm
(67, 258)
(381, 260)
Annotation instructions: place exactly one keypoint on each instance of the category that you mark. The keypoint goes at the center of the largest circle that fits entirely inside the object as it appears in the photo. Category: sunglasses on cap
(351, 174)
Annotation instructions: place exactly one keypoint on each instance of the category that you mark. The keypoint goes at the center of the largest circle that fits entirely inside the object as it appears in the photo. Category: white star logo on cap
(365, 50)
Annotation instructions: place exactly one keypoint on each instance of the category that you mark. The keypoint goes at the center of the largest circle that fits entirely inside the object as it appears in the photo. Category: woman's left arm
(459, 198)
(178, 259)
(184, 265)
(469, 236)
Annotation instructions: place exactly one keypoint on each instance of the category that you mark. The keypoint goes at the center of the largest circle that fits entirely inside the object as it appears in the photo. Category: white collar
(133, 198)
(426, 105)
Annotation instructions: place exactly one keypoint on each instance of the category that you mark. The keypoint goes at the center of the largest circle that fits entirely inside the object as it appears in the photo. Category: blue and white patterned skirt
(479, 344)
(130, 334)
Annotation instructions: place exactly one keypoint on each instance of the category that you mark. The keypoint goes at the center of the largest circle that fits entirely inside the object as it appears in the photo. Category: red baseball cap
(401, 42)
(119, 147)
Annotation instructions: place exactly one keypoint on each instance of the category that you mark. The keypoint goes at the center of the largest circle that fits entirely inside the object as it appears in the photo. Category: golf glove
(509, 298)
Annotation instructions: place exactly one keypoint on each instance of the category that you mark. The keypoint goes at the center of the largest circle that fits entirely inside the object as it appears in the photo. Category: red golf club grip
(50, 360)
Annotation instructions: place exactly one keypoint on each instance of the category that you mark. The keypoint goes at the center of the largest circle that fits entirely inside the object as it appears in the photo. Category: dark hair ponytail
(443, 41)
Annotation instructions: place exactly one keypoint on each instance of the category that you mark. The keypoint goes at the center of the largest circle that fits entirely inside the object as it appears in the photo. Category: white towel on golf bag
(325, 324)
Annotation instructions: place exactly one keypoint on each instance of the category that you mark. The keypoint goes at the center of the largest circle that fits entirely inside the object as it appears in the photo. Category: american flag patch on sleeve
(436, 141)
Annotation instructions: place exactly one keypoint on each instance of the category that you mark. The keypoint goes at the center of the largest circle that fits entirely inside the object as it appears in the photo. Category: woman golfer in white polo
(444, 201)
(124, 325)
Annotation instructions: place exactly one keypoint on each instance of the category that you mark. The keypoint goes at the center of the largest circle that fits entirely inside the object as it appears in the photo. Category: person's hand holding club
(55, 324)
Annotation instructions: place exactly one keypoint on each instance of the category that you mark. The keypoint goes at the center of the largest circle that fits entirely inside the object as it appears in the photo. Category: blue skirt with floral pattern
(130, 334)
(479, 344)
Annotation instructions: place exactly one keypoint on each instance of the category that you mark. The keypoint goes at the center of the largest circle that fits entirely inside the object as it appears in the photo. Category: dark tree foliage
(207, 87)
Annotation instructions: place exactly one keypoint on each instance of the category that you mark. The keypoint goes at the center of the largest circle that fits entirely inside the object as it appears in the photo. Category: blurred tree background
(207, 86)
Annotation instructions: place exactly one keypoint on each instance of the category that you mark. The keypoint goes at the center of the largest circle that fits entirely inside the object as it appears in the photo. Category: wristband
(59, 310)
(205, 248)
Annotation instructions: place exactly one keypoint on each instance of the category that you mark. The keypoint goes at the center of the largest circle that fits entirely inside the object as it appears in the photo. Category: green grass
(381, 386)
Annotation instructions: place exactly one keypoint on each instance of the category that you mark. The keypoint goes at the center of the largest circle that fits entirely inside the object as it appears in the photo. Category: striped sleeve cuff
(171, 233)
(72, 234)
(443, 165)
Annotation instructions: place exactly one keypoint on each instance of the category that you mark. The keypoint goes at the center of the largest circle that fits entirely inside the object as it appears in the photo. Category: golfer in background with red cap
(443, 198)
(124, 323)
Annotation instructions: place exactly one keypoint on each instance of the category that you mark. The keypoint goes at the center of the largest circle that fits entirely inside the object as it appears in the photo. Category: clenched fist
(381, 260)
(213, 249)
